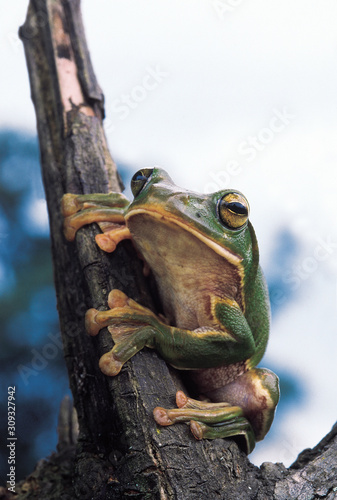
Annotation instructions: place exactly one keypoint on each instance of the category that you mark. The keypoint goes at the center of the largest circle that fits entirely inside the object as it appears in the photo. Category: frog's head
(220, 220)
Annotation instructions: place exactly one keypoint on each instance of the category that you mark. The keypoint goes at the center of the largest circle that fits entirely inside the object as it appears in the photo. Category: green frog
(203, 253)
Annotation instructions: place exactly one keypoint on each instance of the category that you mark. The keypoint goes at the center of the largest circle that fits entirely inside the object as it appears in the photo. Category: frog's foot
(131, 325)
(73, 203)
(111, 237)
(122, 310)
(257, 392)
(239, 428)
(105, 209)
(208, 420)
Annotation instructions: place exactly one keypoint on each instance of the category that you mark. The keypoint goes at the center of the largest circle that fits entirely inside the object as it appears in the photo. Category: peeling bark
(119, 451)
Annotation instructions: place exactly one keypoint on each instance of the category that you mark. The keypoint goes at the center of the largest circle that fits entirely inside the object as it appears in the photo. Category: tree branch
(119, 451)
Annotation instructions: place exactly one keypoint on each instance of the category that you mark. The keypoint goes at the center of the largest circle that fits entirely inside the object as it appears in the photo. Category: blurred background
(220, 93)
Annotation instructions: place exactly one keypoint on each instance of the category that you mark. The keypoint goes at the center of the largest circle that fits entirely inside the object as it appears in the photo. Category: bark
(120, 452)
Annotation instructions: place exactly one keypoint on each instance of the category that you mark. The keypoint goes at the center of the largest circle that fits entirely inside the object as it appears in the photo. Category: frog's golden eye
(139, 180)
(233, 210)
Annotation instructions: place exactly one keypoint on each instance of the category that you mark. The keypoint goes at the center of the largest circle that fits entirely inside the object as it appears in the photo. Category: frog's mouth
(167, 217)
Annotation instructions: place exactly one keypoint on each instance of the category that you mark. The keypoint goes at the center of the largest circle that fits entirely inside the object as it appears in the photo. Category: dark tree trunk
(119, 451)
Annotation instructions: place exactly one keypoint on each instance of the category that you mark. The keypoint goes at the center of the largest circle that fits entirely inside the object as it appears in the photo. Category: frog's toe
(69, 231)
(197, 429)
(105, 243)
(161, 416)
(111, 237)
(91, 325)
(69, 204)
(117, 299)
(110, 365)
(96, 320)
(181, 399)
(238, 428)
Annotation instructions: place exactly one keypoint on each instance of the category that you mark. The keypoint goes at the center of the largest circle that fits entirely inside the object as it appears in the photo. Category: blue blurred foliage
(31, 354)
(286, 250)
(283, 257)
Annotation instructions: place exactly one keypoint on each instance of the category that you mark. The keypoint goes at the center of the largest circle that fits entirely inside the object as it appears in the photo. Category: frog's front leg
(131, 325)
(134, 327)
(108, 210)
(249, 410)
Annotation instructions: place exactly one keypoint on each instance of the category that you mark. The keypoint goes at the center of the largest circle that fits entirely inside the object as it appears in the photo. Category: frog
(214, 326)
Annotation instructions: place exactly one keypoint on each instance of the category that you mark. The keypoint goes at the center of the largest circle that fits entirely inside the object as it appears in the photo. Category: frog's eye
(233, 210)
(139, 180)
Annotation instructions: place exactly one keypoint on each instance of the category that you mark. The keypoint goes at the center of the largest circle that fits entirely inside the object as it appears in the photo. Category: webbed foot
(106, 209)
(132, 327)
(208, 420)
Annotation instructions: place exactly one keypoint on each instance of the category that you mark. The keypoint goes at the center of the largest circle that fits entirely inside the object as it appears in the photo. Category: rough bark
(120, 452)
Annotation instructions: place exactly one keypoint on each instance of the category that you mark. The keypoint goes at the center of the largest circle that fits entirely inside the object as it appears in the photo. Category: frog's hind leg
(257, 393)
(238, 428)
(209, 420)
(248, 411)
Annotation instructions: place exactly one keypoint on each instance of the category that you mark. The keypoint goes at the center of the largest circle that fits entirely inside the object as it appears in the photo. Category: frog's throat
(231, 257)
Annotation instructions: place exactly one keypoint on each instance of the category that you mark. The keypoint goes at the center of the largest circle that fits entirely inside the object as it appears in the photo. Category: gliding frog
(203, 253)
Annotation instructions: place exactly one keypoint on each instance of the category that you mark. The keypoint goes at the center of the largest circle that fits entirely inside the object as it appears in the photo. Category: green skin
(203, 253)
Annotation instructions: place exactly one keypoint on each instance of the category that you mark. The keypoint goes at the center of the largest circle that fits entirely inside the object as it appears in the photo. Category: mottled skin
(203, 253)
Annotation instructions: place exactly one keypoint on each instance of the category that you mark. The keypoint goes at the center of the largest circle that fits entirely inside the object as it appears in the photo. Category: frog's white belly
(188, 273)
